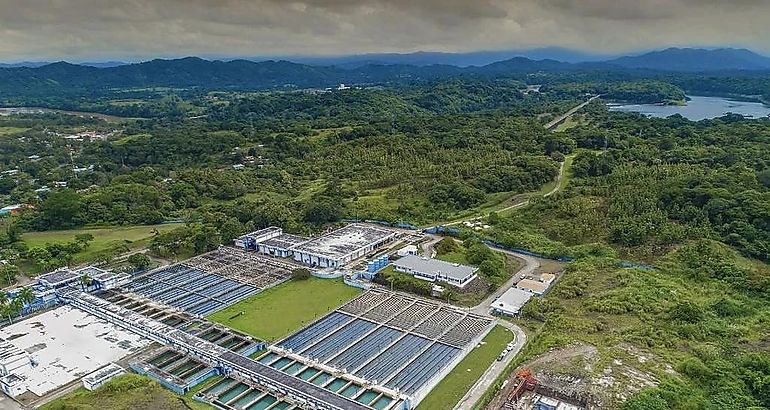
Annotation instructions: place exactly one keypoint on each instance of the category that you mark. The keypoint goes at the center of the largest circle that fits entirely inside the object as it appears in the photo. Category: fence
(400, 224)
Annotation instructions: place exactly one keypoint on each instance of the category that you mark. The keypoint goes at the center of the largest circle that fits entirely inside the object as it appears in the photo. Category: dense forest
(689, 202)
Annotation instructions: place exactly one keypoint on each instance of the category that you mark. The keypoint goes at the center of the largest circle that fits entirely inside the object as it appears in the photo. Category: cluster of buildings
(511, 302)
(15, 209)
(334, 249)
(340, 247)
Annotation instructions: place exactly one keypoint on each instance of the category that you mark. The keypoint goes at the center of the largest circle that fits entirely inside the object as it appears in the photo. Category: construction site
(522, 391)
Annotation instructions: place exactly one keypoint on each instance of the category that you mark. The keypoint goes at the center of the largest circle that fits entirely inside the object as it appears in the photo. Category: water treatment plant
(380, 350)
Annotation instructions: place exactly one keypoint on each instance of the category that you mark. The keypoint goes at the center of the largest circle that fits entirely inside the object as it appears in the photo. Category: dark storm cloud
(98, 29)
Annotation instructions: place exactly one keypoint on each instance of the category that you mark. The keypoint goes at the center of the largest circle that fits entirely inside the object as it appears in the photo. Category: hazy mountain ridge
(245, 74)
(694, 60)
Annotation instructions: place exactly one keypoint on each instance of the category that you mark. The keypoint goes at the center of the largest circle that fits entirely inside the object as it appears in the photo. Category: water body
(698, 108)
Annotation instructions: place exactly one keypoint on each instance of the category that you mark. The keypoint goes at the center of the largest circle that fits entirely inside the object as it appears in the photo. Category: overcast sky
(77, 30)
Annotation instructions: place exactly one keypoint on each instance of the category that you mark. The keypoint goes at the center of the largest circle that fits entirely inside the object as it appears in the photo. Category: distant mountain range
(422, 58)
(696, 60)
(64, 77)
(671, 59)
(36, 64)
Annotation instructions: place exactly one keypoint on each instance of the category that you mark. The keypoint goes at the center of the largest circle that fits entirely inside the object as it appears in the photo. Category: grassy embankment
(453, 387)
(127, 392)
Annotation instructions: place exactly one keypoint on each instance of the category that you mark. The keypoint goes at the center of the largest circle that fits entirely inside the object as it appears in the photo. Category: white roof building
(436, 270)
(511, 302)
(340, 247)
(407, 250)
(102, 376)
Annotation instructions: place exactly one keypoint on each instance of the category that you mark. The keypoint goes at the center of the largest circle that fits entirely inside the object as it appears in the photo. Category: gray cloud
(98, 29)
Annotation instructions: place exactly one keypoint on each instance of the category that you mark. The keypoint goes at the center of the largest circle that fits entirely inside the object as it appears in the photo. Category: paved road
(530, 265)
(520, 338)
(7, 403)
(555, 123)
(525, 202)
(491, 374)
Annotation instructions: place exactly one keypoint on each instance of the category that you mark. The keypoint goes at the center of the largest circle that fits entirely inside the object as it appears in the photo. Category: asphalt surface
(520, 338)
(8, 403)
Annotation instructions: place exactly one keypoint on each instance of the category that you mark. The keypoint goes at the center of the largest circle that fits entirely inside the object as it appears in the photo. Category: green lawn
(450, 390)
(457, 256)
(283, 309)
(104, 238)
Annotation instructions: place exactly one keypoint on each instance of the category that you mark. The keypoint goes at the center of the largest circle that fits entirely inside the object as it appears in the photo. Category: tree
(323, 210)
(300, 274)
(26, 295)
(61, 209)
(86, 282)
(8, 273)
(139, 261)
(84, 239)
(13, 231)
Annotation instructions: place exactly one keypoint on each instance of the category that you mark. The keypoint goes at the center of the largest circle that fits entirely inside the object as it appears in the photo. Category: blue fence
(443, 230)
(400, 224)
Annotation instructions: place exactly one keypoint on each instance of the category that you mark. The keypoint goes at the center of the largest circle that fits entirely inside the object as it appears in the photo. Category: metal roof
(435, 267)
(345, 241)
(512, 300)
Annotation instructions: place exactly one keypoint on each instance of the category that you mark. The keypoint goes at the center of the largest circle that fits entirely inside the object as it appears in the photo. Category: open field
(104, 238)
(279, 311)
(453, 387)
(11, 130)
(126, 392)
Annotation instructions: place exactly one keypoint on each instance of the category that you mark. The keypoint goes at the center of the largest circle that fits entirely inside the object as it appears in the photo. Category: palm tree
(14, 308)
(3, 301)
(7, 306)
(26, 295)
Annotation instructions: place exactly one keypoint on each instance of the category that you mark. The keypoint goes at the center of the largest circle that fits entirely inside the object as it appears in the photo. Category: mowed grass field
(281, 310)
(104, 238)
(453, 387)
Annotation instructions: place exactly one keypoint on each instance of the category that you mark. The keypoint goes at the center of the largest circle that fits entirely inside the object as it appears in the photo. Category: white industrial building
(104, 279)
(281, 245)
(342, 246)
(250, 240)
(64, 344)
(102, 376)
(436, 270)
(511, 302)
(12, 359)
(13, 384)
(407, 250)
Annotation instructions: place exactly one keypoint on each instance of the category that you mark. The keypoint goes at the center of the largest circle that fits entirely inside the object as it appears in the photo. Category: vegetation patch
(127, 392)
(281, 310)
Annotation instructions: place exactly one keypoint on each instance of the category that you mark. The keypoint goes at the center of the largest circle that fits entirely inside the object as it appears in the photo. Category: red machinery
(524, 382)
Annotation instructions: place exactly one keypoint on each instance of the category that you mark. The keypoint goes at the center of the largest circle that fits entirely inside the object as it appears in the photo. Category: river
(698, 108)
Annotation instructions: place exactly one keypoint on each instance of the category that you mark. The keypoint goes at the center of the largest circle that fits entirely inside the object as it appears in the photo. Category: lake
(698, 108)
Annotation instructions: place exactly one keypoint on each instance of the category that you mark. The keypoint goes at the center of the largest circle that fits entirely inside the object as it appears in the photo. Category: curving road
(520, 338)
